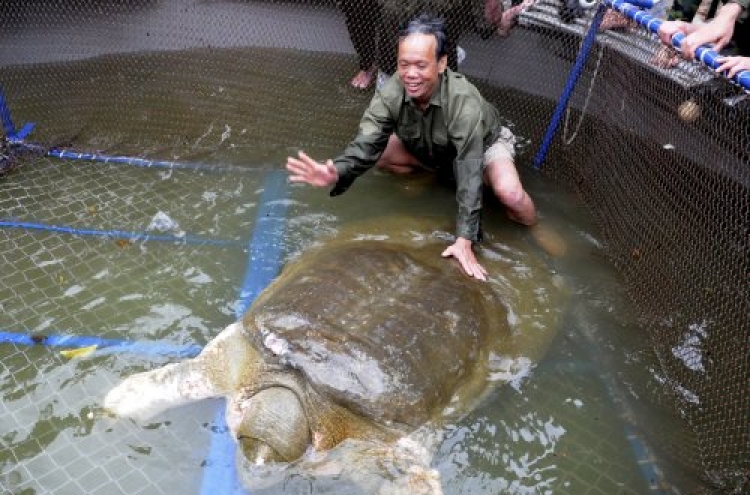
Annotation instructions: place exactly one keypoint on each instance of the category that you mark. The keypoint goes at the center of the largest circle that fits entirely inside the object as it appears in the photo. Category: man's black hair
(427, 24)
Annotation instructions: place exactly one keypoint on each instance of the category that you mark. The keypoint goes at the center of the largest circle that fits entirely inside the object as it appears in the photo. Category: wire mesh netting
(128, 209)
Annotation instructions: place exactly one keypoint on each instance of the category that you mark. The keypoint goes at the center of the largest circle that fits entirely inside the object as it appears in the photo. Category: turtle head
(274, 427)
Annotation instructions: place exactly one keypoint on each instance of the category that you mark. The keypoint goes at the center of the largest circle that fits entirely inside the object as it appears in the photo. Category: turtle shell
(388, 331)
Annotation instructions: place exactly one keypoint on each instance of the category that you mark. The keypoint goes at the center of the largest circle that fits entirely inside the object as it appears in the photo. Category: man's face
(418, 66)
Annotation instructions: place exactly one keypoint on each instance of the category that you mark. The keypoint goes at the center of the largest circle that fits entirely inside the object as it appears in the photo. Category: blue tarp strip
(263, 263)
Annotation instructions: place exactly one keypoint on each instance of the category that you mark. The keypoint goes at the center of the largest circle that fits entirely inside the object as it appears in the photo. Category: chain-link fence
(167, 101)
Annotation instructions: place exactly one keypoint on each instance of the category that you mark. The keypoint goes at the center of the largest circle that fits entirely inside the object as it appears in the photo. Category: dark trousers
(742, 38)
(364, 23)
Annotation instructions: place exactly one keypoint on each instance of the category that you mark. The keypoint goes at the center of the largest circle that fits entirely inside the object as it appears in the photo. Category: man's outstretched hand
(461, 250)
(305, 169)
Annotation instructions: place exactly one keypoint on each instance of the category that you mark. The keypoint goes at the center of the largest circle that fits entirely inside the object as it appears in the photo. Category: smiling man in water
(429, 117)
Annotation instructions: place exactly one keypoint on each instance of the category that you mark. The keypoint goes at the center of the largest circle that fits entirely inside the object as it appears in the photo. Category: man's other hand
(461, 250)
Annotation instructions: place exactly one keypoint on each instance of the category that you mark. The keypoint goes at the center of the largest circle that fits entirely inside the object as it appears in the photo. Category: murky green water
(560, 427)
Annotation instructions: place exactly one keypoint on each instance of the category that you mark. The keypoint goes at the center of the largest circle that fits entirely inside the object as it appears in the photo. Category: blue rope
(150, 348)
(570, 84)
(120, 234)
(141, 162)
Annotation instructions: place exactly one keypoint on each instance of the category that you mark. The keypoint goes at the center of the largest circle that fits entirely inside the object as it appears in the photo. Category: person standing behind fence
(364, 23)
(429, 117)
(504, 17)
(459, 16)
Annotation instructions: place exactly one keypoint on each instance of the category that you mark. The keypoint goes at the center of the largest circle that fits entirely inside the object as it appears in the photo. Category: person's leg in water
(501, 176)
(397, 159)
(363, 21)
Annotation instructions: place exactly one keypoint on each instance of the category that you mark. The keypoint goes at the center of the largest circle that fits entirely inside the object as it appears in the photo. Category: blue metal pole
(570, 84)
(644, 4)
(9, 128)
(263, 262)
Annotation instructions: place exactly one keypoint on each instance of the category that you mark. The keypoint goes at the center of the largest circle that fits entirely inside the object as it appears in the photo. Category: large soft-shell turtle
(363, 340)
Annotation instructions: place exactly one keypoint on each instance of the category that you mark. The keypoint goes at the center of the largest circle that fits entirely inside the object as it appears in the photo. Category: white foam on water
(512, 370)
(96, 302)
(43, 264)
(197, 276)
(132, 297)
(688, 350)
(226, 134)
(73, 290)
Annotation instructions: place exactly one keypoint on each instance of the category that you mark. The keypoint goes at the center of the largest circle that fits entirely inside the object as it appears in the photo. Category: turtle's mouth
(274, 427)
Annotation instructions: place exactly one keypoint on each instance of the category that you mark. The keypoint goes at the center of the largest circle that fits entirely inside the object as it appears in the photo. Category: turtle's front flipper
(144, 395)
(226, 359)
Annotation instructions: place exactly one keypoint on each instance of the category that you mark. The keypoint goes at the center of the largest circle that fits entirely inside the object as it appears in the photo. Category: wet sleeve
(467, 133)
(363, 152)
